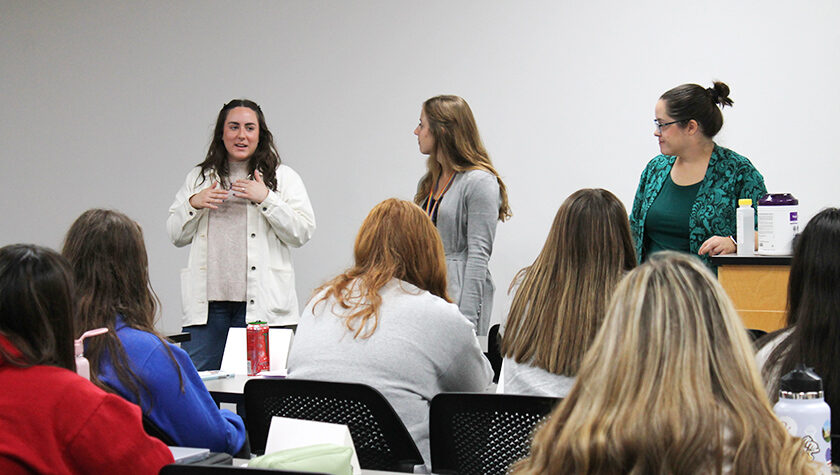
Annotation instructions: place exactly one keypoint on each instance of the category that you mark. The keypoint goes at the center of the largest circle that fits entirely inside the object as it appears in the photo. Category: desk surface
(736, 260)
(231, 390)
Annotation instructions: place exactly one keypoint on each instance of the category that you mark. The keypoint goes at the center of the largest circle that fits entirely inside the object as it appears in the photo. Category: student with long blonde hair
(560, 299)
(465, 197)
(669, 386)
(388, 322)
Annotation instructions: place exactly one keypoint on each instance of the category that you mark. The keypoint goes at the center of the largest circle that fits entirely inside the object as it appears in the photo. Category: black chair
(198, 469)
(494, 351)
(153, 430)
(382, 442)
(480, 433)
(755, 333)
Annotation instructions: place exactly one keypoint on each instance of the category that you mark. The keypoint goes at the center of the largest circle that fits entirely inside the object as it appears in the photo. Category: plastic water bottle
(804, 412)
(745, 227)
(82, 363)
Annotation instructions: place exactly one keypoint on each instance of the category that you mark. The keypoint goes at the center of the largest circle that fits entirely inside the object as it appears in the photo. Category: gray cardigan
(466, 220)
(422, 346)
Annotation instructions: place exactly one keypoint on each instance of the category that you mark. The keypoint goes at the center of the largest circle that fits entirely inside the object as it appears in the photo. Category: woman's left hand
(254, 190)
(717, 245)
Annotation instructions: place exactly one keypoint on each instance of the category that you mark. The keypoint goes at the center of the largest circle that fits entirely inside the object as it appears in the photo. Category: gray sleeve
(469, 370)
(481, 199)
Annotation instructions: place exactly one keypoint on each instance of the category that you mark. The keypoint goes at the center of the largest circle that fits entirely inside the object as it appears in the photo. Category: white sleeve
(182, 222)
(288, 210)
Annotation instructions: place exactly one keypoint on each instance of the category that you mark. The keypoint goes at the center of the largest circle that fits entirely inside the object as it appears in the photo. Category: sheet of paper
(286, 433)
(235, 357)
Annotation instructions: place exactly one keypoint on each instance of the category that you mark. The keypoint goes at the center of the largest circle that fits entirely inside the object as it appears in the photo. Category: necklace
(430, 208)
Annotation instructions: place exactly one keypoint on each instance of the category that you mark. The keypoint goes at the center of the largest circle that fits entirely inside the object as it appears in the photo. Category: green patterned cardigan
(729, 177)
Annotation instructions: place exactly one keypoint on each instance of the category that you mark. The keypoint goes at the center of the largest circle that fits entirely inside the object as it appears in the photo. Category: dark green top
(729, 177)
(667, 218)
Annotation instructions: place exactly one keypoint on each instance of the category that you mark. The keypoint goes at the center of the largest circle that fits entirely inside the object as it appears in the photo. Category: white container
(745, 228)
(778, 223)
(805, 414)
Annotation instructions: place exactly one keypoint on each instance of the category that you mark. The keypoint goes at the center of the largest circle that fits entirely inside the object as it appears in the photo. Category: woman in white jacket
(241, 210)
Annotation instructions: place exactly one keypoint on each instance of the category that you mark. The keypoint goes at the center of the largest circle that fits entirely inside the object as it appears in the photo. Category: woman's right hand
(209, 197)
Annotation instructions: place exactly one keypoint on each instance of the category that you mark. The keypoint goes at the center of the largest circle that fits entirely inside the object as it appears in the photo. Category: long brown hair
(36, 306)
(669, 386)
(457, 141)
(562, 297)
(265, 157)
(396, 241)
(108, 256)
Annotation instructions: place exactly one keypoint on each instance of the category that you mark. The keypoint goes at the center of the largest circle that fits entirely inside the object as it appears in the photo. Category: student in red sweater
(52, 420)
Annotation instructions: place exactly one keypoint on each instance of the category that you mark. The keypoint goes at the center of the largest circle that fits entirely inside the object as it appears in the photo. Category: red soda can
(257, 347)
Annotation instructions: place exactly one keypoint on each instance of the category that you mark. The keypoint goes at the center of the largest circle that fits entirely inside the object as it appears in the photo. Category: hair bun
(719, 94)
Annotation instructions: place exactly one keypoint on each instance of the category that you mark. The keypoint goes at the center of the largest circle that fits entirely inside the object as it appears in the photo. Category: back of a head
(561, 298)
(105, 248)
(815, 270)
(590, 229)
(36, 306)
(673, 368)
(398, 240)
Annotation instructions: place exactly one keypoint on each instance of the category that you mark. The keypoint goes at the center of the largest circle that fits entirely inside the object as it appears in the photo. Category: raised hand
(209, 197)
(254, 190)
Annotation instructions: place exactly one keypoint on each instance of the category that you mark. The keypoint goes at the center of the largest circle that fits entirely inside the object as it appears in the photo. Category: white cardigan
(285, 218)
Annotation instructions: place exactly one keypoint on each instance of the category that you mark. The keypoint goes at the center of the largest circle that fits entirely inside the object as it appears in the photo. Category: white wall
(109, 103)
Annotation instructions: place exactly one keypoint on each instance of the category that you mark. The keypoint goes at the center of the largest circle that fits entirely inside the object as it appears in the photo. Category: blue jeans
(207, 342)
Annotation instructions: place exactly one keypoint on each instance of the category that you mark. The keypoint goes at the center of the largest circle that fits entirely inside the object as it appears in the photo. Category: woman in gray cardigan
(465, 197)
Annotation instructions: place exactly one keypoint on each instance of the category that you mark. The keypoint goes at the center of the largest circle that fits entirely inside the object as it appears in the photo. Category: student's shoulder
(70, 387)
(433, 308)
(479, 176)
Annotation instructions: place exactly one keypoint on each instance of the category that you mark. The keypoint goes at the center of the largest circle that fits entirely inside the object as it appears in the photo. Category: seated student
(561, 298)
(669, 386)
(106, 251)
(813, 329)
(51, 419)
(388, 322)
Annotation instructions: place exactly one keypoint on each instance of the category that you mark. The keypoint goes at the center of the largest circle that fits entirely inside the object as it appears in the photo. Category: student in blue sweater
(108, 256)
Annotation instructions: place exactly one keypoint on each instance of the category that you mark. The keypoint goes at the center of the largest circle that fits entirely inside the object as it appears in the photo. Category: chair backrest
(480, 433)
(494, 351)
(382, 442)
(153, 430)
(755, 333)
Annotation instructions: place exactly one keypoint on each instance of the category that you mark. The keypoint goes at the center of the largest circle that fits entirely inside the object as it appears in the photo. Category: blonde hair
(669, 386)
(562, 297)
(457, 141)
(396, 240)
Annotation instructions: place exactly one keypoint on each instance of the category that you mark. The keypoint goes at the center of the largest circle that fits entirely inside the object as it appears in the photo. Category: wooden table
(757, 286)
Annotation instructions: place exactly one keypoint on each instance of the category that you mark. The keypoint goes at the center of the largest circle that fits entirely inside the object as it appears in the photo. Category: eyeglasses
(659, 125)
